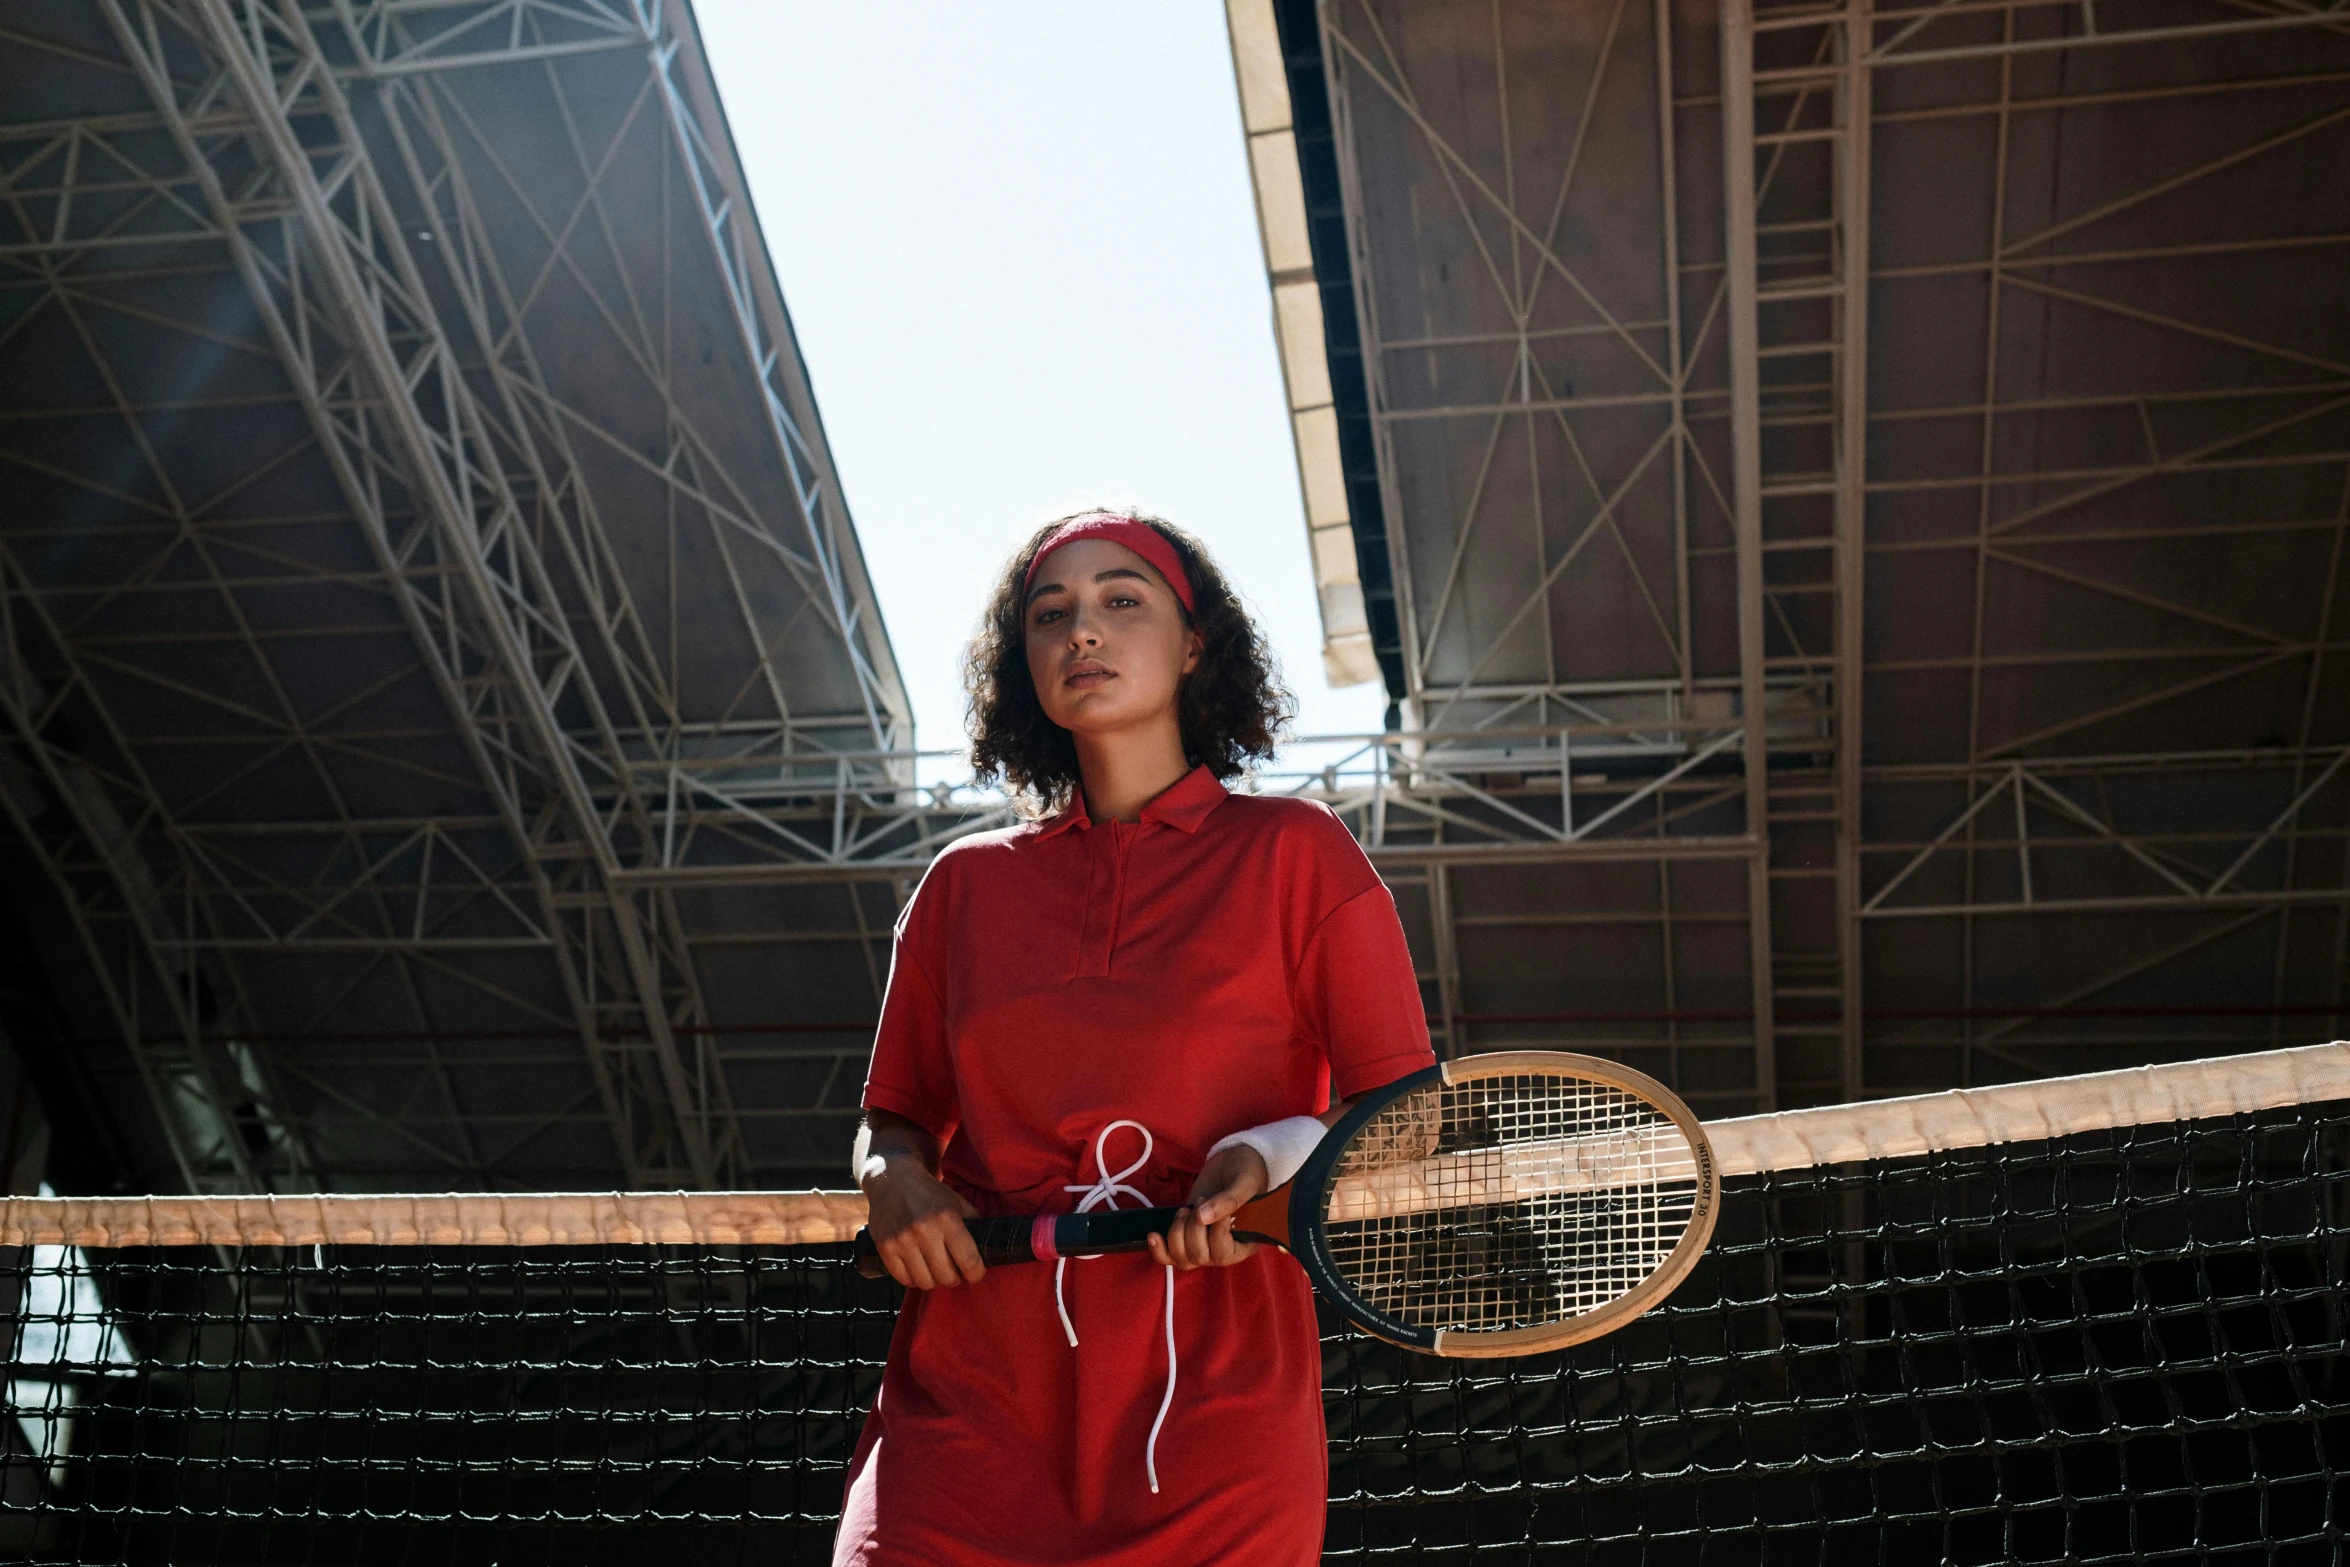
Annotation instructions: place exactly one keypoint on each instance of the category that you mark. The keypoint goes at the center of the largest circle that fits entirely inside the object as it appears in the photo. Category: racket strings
(1508, 1202)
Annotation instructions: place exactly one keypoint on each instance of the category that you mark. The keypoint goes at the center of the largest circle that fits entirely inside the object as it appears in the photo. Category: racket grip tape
(1044, 1238)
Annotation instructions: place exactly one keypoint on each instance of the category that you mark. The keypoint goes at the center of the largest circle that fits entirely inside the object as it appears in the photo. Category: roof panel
(374, 561)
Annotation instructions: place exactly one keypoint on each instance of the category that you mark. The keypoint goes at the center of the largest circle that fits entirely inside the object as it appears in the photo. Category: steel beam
(452, 471)
(1740, 244)
(1853, 112)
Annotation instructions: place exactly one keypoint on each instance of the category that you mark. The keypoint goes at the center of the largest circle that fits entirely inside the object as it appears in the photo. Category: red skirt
(994, 1443)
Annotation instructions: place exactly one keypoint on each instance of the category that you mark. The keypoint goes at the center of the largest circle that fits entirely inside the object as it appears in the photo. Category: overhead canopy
(1918, 434)
(414, 520)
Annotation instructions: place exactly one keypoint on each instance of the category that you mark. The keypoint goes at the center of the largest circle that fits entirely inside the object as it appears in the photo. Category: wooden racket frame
(1314, 1182)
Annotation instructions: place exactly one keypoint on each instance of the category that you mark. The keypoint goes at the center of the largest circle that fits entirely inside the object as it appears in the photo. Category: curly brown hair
(1232, 706)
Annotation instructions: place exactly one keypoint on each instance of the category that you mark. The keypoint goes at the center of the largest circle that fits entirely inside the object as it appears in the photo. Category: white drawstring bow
(1104, 1193)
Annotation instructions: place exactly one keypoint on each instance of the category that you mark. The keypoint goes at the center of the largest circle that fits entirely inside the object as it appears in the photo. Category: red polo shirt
(1226, 961)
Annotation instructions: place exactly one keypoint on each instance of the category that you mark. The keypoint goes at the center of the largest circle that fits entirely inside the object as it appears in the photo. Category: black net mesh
(2123, 1346)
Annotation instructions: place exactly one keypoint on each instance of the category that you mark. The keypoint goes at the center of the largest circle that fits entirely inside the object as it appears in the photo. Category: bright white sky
(1018, 244)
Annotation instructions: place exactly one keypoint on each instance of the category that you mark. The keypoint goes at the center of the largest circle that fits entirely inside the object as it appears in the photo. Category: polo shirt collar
(1188, 803)
(1183, 805)
(1072, 815)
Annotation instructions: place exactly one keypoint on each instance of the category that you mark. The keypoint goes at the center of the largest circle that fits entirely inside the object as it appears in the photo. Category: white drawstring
(1104, 1193)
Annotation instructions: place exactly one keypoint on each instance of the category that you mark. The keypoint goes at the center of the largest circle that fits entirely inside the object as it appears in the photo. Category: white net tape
(1410, 1168)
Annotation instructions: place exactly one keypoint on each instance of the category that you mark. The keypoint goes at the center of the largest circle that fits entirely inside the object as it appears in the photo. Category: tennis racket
(1495, 1205)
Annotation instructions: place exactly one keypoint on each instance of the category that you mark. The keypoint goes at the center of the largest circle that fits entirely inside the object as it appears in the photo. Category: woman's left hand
(1201, 1235)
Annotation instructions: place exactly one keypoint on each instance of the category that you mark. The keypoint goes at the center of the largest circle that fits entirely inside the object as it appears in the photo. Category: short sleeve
(1357, 994)
(913, 1072)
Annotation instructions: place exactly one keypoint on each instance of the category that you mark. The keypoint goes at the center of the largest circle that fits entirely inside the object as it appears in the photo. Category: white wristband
(1283, 1145)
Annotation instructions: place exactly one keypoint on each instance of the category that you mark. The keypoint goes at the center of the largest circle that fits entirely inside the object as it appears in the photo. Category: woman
(1143, 998)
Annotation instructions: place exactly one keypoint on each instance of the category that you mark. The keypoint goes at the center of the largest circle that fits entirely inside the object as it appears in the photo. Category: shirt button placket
(1122, 836)
(1106, 846)
(1090, 962)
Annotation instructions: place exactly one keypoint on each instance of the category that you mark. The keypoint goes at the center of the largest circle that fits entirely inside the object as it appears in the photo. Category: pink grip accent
(1040, 1238)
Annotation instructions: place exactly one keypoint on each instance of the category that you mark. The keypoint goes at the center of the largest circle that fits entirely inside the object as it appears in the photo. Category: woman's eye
(1047, 617)
(1124, 598)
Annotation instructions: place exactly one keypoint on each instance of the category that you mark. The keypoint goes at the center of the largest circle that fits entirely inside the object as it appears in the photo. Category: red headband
(1140, 537)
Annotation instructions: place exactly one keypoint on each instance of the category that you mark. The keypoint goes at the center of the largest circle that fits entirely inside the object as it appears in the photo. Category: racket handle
(1003, 1241)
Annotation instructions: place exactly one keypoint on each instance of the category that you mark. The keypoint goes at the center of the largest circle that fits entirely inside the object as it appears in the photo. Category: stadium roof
(415, 521)
(1909, 442)
(451, 741)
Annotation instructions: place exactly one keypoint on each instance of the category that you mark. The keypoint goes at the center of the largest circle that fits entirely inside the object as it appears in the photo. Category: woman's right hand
(915, 1219)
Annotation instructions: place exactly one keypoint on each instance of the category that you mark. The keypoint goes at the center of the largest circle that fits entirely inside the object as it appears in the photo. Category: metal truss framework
(447, 707)
(1981, 360)
(380, 564)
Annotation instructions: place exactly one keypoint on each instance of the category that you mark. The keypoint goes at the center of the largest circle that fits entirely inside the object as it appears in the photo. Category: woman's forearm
(916, 1223)
(885, 1139)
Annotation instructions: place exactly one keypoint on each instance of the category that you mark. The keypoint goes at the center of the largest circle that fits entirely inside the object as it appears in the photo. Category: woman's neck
(1123, 772)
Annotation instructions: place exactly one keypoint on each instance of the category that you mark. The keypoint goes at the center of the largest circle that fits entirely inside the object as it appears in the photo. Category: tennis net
(2093, 1319)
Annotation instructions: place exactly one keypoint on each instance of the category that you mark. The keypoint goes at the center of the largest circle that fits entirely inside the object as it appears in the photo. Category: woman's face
(1107, 646)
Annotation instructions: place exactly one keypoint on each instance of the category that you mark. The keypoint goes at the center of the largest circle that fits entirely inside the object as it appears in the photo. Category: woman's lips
(1085, 679)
